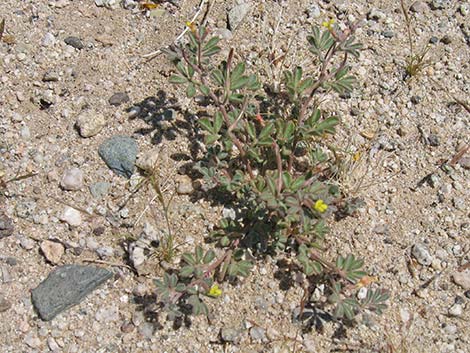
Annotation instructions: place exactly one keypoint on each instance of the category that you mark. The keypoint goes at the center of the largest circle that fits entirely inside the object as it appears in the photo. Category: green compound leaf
(198, 306)
(191, 90)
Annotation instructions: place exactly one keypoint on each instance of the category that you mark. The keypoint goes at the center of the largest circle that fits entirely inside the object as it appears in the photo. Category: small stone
(456, 310)
(27, 243)
(6, 226)
(258, 334)
(362, 293)
(138, 318)
(405, 315)
(25, 133)
(52, 251)
(237, 14)
(89, 123)
(65, 287)
(127, 327)
(105, 252)
(223, 33)
(433, 40)
(433, 140)
(74, 42)
(446, 39)
(32, 340)
(136, 255)
(4, 304)
(415, 99)
(147, 161)
(388, 34)
(25, 209)
(376, 15)
(450, 329)
(313, 10)
(462, 279)
(440, 4)
(418, 7)
(100, 189)
(107, 314)
(146, 329)
(119, 153)
(71, 216)
(50, 76)
(465, 162)
(72, 179)
(48, 40)
(52, 344)
(231, 335)
(185, 185)
(421, 254)
(119, 98)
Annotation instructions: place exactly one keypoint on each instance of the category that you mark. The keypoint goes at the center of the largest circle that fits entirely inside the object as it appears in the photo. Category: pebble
(418, 7)
(237, 14)
(48, 40)
(136, 255)
(74, 42)
(376, 15)
(405, 315)
(421, 254)
(450, 329)
(6, 226)
(465, 162)
(119, 153)
(25, 208)
(127, 327)
(52, 251)
(89, 123)
(456, 310)
(4, 304)
(110, 4)
(32, 340)
(462, 279)
(446, 39)
(119, 98)
(27, 243)
(5, 275)
(313, 10)
(50, 76)
(147, 161)
(100, 189)
(71, 216)
(440, 4)
(72, 180)
(107, 314)
(52, 344)
(185, 185)
(231, 335)
(146, 329)
(105, 252)
(258, 334)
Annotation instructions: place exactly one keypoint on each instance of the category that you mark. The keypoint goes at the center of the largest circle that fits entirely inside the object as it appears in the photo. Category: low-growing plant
(415, 61)
(269, 157)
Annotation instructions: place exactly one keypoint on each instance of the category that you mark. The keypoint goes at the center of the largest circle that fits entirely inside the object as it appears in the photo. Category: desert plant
(271, 161)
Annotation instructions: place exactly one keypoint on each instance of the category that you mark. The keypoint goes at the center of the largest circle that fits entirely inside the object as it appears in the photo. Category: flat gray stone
(119, 153)
(65, 287)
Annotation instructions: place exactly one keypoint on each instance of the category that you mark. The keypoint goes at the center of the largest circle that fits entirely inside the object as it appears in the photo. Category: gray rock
(421, 254)
(313, 10)
(74, 42)
(72, 179)
(27, 243)
(5, 274)
(6, 226)
(446, 39)
(119, 153)
(376, 15)
(105, 251)
(65, 287)
(89, 123)
(100, 189)
(50, 76)
(237, 14)
(119, 98)
(229, 334)
(32, 340)
(465, 162)
(388, 34)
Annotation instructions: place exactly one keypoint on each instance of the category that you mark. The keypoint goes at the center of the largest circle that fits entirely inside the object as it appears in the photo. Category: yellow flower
(320, 206)
(215, 291)
(328, 24)
(191, 26)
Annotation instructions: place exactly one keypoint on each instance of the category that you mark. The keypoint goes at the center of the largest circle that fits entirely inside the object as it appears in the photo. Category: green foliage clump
(268, 155)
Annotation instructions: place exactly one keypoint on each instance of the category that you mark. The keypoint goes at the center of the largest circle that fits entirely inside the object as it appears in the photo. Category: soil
(401, 130)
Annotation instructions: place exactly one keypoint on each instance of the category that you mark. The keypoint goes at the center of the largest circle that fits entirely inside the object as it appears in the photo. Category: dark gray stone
(74, 42)
(119, 153)
(6, 226)
(119, 98)
(65, 287)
